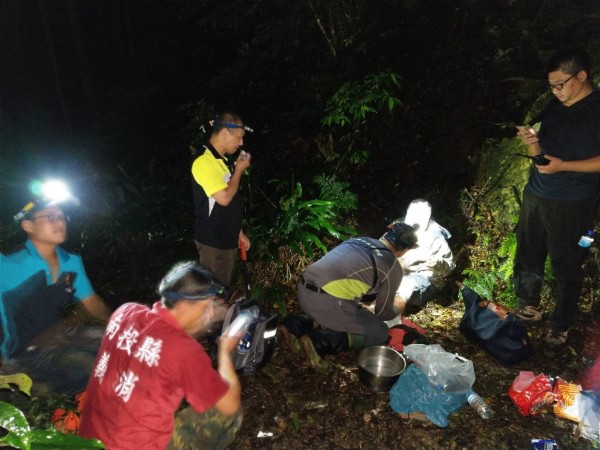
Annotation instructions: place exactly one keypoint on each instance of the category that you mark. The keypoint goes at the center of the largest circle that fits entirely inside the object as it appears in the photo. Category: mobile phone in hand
(538, 160)
(526, 128)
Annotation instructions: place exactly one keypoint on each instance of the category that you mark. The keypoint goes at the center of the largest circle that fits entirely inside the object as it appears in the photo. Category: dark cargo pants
(552, 227)
(343, 315)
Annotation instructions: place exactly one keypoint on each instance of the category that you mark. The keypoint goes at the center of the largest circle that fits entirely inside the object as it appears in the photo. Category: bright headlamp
(49, 193)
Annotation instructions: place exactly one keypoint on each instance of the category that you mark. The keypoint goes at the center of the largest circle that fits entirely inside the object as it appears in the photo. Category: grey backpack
(257, 346)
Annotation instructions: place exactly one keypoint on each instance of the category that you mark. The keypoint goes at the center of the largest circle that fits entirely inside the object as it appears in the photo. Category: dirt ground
(292, 406)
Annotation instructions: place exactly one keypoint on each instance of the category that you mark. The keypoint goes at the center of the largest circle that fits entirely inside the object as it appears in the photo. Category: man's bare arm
(230, 403)
(589, 165)
(225, 196)
(96, 307)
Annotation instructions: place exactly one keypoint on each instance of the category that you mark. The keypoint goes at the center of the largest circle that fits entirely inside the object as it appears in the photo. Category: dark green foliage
(301, 224)
(293, 232)
(491, 256)
(21, 436)
(353, 101)
(348, 110)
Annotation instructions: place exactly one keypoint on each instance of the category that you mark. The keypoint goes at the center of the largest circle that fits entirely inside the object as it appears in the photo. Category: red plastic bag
(406, 333)
(530, 393)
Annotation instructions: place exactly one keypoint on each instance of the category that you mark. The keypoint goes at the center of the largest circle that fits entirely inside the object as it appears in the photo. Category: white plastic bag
(447, 371)
(589, 412)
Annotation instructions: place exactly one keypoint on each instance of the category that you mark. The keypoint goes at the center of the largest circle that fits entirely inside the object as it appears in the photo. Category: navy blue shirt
(570, 133)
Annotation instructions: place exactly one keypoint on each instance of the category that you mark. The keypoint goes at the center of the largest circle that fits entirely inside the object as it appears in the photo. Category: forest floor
(289, 405)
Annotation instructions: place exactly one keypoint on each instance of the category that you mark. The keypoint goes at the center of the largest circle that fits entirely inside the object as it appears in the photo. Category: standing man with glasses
(37, 281)
(559, 200)
(217, 202)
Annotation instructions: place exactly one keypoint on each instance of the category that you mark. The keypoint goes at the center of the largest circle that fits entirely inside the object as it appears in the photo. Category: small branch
(322, 28)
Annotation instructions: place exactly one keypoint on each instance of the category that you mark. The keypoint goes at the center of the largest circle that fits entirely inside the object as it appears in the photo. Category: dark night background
(110, 95)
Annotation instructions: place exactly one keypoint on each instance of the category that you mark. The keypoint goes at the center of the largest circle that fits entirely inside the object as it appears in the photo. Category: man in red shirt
(149, 361)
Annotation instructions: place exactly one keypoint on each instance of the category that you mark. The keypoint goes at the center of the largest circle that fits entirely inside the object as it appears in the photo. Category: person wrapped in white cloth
(426, 266)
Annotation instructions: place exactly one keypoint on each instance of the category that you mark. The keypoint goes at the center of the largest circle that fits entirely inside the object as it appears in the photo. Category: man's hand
(590, 165)
(225, 196)
(227, 344)
(555, 165)
(528, 135)
(244, 240)
(230, 403)
(243, 161)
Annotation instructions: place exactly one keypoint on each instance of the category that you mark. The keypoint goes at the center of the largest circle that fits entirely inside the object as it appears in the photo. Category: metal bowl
(379, 367)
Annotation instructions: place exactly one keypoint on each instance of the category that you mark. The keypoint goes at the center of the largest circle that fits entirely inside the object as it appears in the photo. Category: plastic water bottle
(586, 240)
(479, 405)
(250, 316)
(245, 343)
(239, 325)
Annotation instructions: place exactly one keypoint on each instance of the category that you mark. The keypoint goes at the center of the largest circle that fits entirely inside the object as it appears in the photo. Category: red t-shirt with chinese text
(146, 365)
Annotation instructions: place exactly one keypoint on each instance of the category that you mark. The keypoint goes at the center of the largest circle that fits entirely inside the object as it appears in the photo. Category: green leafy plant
(20, 380)
(493, 250)
(20, 435)
(305, 225)
(349, 109)
(296, 230)
(353, 101)
(492, 255)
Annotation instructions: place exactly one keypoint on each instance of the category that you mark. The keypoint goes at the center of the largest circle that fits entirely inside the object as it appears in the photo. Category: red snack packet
(531, 395)
(567, 404)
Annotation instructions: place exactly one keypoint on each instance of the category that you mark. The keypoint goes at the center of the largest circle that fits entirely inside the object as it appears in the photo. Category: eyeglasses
(52, 218)
(561, 85)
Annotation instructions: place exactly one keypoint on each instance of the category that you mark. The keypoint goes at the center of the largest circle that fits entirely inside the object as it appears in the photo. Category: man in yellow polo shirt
(217, 202)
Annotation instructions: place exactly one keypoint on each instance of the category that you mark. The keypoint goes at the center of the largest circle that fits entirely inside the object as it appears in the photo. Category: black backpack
(257, 346)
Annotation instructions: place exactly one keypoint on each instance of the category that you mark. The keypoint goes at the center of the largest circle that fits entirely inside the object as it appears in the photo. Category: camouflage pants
(208, 430)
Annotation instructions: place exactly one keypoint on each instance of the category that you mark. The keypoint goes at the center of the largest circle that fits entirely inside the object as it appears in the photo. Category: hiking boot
(288, 340)
(529, 314)
(556, 338)
(317, 363)
(299, 324)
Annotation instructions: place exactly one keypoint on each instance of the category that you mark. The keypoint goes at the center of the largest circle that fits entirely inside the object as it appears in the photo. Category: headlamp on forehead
(49, 193)
(215, 290)
(217, 123)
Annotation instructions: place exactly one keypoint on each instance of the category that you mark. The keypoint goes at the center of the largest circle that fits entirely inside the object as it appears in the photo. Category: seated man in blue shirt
(37, 281)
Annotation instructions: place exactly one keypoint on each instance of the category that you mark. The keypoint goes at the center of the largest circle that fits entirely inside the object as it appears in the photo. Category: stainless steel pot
(379, 367)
